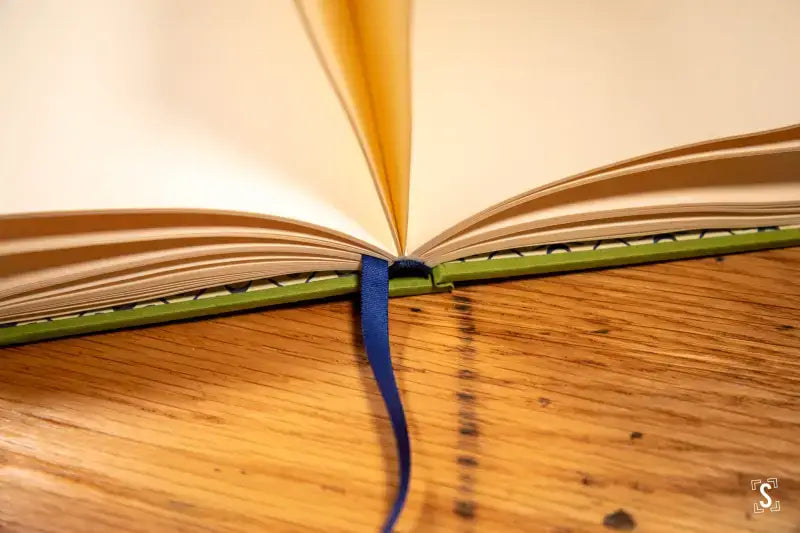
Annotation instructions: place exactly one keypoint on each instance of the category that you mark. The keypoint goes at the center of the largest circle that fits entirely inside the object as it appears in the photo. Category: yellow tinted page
(364, 46)
(185, 104)
(511, 95)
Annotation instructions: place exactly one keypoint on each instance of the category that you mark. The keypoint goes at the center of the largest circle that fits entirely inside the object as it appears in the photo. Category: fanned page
(180, 105)
(516, 99)
(151, 147)
(364, 48)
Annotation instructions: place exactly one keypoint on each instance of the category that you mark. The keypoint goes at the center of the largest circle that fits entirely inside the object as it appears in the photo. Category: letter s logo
(763, 489)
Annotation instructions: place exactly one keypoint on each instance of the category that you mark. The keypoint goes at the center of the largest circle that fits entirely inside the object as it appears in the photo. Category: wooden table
(541, 405)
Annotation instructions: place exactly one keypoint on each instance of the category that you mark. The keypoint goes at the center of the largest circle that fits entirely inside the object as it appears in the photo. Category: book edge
(454, 272)
(442, 279)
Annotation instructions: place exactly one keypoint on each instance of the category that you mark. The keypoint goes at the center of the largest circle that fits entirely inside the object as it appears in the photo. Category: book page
(512, 95)
(763, 183)
(364, 47)
(186, 104)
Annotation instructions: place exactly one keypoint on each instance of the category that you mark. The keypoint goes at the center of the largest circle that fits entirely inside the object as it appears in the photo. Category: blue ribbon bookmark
(375, 330)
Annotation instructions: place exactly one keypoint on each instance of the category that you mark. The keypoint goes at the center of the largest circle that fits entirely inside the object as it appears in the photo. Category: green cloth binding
(443, 277)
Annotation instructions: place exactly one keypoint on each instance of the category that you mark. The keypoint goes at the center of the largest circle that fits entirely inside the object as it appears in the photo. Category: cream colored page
(760, 197)
(192, 104)
(514, 94)
(768, 173)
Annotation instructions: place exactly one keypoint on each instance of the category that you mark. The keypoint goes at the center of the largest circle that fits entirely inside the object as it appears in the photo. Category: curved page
(144, 104)
(765, 181)
(510, 96)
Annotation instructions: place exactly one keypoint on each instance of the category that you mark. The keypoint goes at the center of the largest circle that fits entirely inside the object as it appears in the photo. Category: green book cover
(534, 260)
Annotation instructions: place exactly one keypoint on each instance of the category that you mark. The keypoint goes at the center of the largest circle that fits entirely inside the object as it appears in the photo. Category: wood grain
(540, 405)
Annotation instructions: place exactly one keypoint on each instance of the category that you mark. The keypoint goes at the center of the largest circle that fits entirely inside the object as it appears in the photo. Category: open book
(153, 149)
